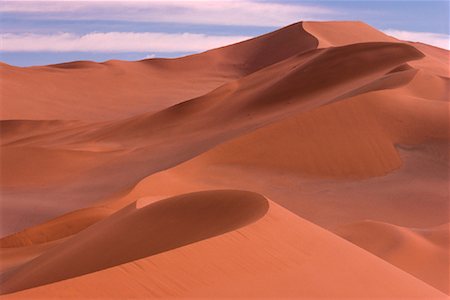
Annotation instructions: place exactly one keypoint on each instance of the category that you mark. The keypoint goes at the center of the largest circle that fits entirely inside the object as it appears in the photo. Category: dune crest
(339, 33)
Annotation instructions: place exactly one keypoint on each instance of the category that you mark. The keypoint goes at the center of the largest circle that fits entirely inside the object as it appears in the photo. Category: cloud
(148, 56)
(231, 12)
(436, 39)
(114, 42)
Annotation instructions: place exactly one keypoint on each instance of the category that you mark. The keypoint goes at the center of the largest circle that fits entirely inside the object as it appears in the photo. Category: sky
(47, 32)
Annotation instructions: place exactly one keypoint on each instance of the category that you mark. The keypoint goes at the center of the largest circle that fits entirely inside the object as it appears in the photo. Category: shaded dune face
(136, 232)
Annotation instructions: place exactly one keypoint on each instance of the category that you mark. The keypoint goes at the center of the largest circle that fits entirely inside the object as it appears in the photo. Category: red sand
(344, 127)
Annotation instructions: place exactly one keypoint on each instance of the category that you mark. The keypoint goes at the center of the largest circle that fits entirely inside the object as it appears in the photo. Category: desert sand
(308, 162)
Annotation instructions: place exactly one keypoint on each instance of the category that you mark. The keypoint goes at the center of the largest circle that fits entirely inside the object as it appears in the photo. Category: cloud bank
(114, 42)
(231, 12)
(156, 41)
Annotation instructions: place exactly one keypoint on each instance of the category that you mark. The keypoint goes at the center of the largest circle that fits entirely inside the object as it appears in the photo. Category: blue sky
(45, 32)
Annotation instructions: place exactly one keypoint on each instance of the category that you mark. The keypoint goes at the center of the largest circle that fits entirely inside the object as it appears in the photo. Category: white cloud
(115, 42)
(148, 56)
(436, 39)
(231, 12)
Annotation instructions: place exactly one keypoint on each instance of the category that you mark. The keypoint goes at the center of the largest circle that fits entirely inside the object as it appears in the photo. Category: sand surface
(308, 162)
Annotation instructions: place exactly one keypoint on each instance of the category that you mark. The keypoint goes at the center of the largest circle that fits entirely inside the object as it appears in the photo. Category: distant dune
(308, 162)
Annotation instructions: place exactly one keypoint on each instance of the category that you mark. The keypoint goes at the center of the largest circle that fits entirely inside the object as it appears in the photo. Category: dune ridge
(148, 230)
(95, 91)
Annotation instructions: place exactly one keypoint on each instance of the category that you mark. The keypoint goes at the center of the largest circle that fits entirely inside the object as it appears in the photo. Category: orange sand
(308, 162)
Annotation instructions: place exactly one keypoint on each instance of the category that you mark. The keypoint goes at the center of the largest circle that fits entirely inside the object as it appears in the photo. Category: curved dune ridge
(136, 232)
(152, 178)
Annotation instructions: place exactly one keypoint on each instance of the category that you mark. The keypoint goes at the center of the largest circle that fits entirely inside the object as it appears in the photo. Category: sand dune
(165, 139)
(335, 121)
(381, 121)
(263, 258)
(147, 230)
(96, 91)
